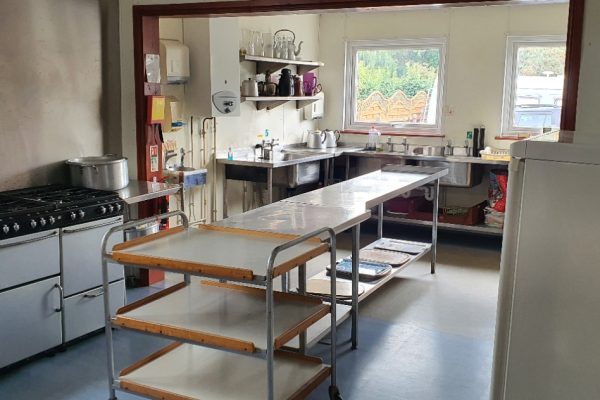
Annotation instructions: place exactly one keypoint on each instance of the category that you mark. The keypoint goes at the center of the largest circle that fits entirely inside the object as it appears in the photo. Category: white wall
(588, 117)
(476, 51)
(285, 122)
(50, 88)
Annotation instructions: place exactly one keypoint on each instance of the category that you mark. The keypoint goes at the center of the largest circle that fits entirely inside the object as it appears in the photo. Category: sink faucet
(449, 149)
(405, 146)
(266, 148)
(182, 152)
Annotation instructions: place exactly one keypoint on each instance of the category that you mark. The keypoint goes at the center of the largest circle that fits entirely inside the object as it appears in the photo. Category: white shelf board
(230, 317)
(178, 248)
(270, 102)
(264, 64)
(195, 372)
(371, 287)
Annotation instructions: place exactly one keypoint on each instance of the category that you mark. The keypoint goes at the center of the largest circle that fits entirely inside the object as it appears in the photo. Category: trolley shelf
(371, 287)
(221, 315)
(227, 253)
(185, 372)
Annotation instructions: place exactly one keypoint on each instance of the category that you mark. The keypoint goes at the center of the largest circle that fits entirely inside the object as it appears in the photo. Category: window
(395, 85)
(533, 83)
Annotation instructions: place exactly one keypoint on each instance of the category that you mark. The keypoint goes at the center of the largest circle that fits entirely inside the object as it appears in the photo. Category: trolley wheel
(334, 393)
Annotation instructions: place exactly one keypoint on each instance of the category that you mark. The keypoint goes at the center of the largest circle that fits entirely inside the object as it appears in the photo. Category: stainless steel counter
(138, 191)
(281, 159)
(371, 189)
(386, 154)
(297, 218)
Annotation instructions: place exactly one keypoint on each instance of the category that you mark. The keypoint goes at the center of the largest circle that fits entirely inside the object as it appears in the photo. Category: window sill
(395, 133)
(511, 137)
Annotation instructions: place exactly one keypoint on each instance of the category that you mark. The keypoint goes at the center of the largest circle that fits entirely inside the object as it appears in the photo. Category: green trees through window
(409, 70)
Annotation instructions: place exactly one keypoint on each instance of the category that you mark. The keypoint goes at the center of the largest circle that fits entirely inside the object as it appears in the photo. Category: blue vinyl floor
(421, 337)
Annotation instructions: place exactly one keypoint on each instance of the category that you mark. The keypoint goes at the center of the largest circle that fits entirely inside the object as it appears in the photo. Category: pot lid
(96, 160)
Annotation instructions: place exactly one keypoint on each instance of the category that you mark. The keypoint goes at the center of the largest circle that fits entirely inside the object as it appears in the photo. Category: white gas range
(50, 266)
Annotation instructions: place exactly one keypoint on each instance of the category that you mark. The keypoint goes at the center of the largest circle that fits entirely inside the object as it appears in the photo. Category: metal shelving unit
(238, 326)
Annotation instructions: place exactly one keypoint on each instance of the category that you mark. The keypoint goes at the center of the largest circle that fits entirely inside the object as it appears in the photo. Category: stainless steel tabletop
(371, 189)
(280, 159)
(138, 191)
(297, 218)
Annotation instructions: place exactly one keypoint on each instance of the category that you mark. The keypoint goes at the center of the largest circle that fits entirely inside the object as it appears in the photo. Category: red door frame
(145, 35)
(146, 40)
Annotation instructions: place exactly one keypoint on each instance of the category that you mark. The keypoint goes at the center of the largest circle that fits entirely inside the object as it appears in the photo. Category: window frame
(353, 46)
(513, 43)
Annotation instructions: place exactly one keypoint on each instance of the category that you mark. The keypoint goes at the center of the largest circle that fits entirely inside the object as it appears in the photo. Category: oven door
(29, 258)
(31, 320)
(81, 258)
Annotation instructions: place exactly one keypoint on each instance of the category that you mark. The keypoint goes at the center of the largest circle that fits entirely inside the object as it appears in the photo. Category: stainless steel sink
(185, 176)
(460, 174)
(297, 175)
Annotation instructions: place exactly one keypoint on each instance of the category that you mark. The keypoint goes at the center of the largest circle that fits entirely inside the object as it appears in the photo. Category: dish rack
(230, 330)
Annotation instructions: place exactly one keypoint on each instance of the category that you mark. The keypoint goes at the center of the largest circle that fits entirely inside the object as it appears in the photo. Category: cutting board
(322, 287)
(393, 258)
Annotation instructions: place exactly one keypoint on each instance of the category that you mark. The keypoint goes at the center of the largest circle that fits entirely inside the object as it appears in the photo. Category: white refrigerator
(547, 344)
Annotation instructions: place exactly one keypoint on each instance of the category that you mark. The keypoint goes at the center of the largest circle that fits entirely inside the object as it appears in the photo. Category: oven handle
(93, 295)
(37, 239)
(87, 228)
(62, 297)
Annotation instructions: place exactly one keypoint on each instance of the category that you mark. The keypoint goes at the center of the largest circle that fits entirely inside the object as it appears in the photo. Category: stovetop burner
(29, 210)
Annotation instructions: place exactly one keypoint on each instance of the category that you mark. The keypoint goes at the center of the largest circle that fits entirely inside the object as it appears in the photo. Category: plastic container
(373, 143)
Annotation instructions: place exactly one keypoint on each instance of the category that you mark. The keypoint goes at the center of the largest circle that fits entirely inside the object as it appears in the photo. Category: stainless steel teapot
(315, 140)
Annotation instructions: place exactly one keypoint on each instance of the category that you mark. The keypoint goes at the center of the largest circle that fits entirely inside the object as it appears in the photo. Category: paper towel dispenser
(175, 61)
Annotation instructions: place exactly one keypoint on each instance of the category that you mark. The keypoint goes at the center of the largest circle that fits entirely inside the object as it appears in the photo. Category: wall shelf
(264, 64)
(271, 102)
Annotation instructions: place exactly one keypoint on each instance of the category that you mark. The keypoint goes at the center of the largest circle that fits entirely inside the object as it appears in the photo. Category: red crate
(471, 216)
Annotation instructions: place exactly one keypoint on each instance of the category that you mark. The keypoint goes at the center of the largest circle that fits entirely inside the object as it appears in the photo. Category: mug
(310, 83)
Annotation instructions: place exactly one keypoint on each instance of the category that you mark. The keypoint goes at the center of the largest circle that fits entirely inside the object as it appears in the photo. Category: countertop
(138, 191)
(299, 153)
(280, 159)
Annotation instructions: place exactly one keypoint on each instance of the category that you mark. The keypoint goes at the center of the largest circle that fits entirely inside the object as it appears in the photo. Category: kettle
(249, 88)
(331, 138)
(315, 140)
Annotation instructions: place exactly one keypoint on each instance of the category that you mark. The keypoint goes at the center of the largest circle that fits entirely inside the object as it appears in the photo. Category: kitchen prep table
(344, 206)
(238, 327)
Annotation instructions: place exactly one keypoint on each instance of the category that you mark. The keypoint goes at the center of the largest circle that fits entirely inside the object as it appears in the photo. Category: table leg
(355, 263)
(380, 221)
(269, 185)
(434, 224)
(302, 291)
(244, 192)
(225, 205)
(347, 167)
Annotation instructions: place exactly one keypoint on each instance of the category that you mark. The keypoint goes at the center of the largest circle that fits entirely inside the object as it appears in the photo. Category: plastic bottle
(230, 154)
(373, 143)
(481, 141)
(469, 143)
(266, 134)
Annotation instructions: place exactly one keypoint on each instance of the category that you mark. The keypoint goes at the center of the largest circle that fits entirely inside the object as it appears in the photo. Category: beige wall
(50, 88)
(476, 49)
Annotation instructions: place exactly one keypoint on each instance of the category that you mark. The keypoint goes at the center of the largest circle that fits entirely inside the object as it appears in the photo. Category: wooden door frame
(144, 14)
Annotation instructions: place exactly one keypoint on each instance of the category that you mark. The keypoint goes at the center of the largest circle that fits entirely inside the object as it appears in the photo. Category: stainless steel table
(138, 191)
(280, 160)
(344, 206)
(372, 190)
